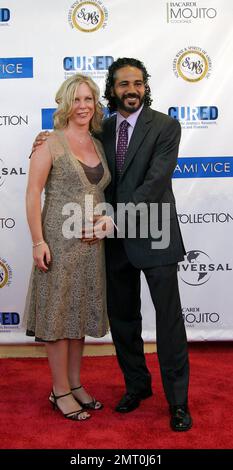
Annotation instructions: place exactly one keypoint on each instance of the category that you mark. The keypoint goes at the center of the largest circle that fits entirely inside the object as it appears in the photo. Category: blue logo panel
(86, 63)
(4, 15)
(204, 167)
(47, 117)
(9, 318)
(16, 67)
(198, 113)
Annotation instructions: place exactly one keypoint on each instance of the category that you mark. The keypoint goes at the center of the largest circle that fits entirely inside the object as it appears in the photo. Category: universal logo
(88, 16)
(187, 12)
(192, 64)
(197, 268)
(9, 171)
(5, 273)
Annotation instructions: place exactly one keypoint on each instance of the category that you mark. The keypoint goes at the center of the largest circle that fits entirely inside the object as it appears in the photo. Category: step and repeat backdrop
(187, 48)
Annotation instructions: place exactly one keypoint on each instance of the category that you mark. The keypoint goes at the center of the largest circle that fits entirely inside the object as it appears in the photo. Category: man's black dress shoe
(180, 418)
(131, 401)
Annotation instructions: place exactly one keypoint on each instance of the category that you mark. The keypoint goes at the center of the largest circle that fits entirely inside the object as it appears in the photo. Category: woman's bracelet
(34, 245)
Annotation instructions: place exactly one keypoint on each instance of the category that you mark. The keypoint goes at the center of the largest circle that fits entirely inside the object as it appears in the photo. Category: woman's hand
(99, 228)
(42, 256)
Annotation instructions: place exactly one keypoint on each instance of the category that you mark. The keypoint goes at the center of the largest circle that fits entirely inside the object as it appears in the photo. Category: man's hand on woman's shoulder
(40, 138)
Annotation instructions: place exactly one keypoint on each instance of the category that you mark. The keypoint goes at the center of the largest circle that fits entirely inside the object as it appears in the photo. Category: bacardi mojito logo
(88, 16)
(188, 12)
(192, 64)
(193, 317)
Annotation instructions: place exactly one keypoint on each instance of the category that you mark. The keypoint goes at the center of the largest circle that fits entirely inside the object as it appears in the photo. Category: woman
(66, 298)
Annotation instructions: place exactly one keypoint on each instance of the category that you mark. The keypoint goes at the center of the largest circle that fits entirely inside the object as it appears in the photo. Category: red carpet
(27, 420)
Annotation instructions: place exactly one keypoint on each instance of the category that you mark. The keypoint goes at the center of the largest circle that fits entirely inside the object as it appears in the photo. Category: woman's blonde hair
(65, 100)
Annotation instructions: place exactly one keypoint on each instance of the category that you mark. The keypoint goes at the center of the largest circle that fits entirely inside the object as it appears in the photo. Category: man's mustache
(131, 95)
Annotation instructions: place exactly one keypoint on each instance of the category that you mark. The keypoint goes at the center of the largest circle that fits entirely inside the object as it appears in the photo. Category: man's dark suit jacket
(146, 177)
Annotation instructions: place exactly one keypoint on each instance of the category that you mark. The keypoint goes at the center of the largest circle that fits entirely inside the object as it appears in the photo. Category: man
(153, 140)
(142, 174)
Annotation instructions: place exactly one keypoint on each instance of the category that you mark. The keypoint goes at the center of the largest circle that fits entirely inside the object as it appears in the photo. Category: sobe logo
(16, 67)
(192, 64)
(197, 268)
(5, 273)
(88, 16)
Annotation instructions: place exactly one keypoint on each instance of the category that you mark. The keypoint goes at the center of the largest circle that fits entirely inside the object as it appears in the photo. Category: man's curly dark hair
(118, 64)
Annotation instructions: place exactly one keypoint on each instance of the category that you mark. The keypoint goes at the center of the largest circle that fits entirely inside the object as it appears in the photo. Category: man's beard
(129, 109)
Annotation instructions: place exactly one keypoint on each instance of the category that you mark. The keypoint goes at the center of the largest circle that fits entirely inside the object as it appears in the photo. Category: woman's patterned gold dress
(68, 301)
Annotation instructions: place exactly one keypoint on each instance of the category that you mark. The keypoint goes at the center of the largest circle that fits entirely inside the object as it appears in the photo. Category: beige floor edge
(22, 350)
